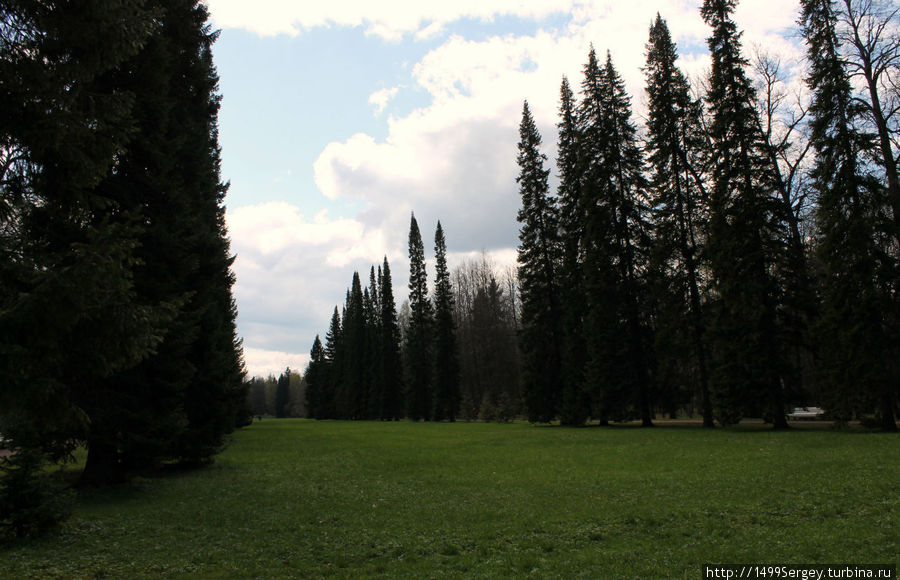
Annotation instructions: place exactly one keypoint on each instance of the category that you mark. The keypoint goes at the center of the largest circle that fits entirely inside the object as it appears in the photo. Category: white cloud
(265, 362)
(389, 20)
(456, 157)
(270, 227)
(381, 98)
(291, 272)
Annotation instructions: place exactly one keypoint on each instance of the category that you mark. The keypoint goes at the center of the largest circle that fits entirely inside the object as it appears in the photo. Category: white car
(806, 413)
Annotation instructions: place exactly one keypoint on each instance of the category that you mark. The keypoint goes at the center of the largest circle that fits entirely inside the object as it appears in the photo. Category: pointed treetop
(317, 353)
(564, 87)
(717, 10)
(566, 106)
(442, 278)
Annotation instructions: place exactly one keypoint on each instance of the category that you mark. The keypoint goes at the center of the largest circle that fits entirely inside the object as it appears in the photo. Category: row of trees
(357, 373)
(674, 271)
(281, 396)
(365, 371)
(485, 318)
(117, 323)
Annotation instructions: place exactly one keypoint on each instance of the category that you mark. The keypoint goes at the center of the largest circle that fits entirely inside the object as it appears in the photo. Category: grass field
(300, 499)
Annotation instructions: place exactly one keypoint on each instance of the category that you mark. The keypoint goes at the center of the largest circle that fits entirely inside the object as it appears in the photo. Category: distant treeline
(447, 355)
(281, 396)
(485, 315)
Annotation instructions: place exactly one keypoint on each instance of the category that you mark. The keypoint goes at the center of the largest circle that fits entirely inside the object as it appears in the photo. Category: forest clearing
(305, 499)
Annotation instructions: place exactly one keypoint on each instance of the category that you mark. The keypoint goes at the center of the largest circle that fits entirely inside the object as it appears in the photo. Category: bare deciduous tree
(870, 33)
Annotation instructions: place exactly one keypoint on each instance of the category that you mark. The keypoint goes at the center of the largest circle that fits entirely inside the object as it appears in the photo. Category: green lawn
(295, 498)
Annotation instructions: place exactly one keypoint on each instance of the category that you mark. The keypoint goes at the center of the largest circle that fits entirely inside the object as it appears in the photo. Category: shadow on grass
(138, 486)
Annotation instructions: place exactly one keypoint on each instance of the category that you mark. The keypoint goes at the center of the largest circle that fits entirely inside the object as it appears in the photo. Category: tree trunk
(779, 419)
(102, 467)
(888, 420)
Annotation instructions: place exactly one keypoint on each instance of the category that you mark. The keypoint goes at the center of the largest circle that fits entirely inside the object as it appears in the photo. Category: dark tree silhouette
(445, 373)
(418, 343)
(391, 368)
(539, 258)
(745, 237)
(675, 147)
(615, 241)
(854, 352)
(574, 401)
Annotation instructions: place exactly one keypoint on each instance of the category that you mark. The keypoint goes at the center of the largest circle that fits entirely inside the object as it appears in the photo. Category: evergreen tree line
(680, 268)
(281, 396)
(485, 319)
(117, 323)
(365, 370)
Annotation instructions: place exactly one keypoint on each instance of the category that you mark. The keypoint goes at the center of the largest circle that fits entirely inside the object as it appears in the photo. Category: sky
(339, 118)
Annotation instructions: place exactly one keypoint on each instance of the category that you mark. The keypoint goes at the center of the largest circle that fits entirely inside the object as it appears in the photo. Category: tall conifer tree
(445, 372)
(615, 248)
(350, 394)
(160, 185)
(745, 238)
(602, 326)
(418, 344)
(371, 386)
(66, 268)
(374, 384)
(574, 402)
(539, 258)
(316, 380)
(334, 364)
(391, 368)
(180, 402)
(212, 398)
(674, 152)
(282, 393)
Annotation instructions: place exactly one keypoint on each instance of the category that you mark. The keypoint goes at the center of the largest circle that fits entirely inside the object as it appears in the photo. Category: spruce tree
(69, 248)
(574, 401)
(632, 239)
(602, 332)
(316, 380)
(418, 344)
(333, 364)
(602, 327)
(350, 392)
(745, 238)
(539, 259)
(445, 371)
(159, 220)
(282, 393)
(212, 397)
(374, 386)
(854, 352)
(369, 385)
(143, 412)
(615, 241)
(391, 370)
(180, 402)
(674, 152)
